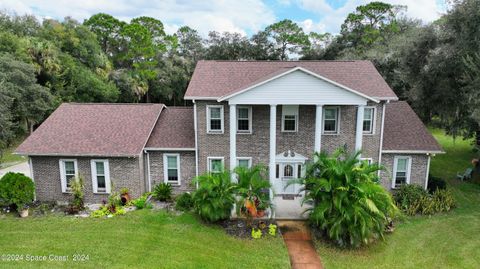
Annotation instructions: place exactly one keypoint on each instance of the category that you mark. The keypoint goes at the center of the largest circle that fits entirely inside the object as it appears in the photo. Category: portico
(288, 91)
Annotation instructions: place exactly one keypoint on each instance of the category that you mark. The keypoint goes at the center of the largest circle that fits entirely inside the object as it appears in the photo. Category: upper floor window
(401, 171)
(368, 120)
(100, 176)
(330, 120)
(244, 119)
(245, 162)
(215, 164)
(171, 164)
(68, 172)
(289, 118)
(215, 119)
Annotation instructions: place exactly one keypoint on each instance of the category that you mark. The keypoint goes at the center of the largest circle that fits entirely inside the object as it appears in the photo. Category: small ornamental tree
(348, 203)
(16, 189)
(214, 198)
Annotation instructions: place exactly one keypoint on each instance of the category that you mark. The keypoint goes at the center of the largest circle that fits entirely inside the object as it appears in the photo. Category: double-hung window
(244, 120)
(368, 120)
(68, 173)
(215, 119)
(289, 118)
(245, 162)
(100, 176)
(401, 171)
(330, 120)
(215, 164)
(171, 164)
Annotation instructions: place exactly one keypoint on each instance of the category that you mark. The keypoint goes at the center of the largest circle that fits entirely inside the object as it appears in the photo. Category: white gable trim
(298, 68)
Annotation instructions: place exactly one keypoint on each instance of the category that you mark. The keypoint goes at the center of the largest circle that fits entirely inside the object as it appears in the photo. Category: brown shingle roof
(174, 129)
(404, 131)
(218, 78)
(93, 130)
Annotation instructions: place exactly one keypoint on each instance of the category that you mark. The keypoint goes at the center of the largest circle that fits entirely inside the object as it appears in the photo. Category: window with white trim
(244, 119)
(171, 171)
(215, 119)
(289, 118)
(215, 164)
(244, 162)
(330, 120)
(100, 176)
(401, 171)
(368, 120)
(68, 173)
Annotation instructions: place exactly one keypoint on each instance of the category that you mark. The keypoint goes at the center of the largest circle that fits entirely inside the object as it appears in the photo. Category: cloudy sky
(244, 16)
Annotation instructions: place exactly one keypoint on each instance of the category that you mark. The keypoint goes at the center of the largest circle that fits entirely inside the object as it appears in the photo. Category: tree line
(434, 66)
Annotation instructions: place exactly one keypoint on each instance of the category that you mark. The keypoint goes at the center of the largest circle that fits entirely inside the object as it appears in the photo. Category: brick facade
(187, 170)
(124, 172)
(256, 144)
(418, 170)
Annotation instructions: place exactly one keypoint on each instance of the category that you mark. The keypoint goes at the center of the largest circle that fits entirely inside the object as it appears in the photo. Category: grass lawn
(141, 239)
(9, 158)
(450, 240)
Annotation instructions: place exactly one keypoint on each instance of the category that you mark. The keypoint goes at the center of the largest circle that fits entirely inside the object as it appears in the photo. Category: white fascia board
(223, 98)
(415, 151)
(170, 149)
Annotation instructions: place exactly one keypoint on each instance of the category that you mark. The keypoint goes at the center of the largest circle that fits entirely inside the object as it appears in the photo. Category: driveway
(18, 168)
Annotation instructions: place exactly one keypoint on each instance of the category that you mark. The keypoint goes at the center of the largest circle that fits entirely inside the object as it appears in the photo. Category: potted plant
(23, 211)
(124, 196)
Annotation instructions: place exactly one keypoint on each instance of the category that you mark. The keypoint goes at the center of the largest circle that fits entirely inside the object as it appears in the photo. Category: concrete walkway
(18, 168)
(299, 243)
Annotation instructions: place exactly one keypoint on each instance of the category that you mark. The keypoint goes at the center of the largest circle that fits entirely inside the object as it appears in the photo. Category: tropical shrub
(435, 183)
(348, 204)
(412, 199)
(163, 192)
(184, 202)
(252, 191)
(16, 189)
(214, 198)
(408, 196)
(141, 202)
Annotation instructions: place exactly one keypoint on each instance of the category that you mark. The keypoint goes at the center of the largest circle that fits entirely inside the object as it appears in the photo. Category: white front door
(285, 174)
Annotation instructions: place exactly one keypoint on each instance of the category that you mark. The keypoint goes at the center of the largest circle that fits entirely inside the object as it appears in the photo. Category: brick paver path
(299, 243)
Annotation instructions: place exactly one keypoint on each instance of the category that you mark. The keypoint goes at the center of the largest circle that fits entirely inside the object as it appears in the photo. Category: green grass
(8, 158)
(450, 240)
(141, 239)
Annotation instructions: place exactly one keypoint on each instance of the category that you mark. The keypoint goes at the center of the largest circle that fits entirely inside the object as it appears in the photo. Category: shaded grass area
(450, 240)
(141, 239)
(8, 158)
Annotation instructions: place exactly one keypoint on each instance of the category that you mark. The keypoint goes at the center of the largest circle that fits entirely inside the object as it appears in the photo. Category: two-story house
(244, 113)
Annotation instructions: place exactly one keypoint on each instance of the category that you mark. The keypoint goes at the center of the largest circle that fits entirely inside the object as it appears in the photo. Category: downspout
(148, 172)
(428, 171)
(30, 164)
(381, 137)
(196, 139)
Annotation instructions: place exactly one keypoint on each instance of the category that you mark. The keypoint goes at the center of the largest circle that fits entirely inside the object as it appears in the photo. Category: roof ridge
(91, 103)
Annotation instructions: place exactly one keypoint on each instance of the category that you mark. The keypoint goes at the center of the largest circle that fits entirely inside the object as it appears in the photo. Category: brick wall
(418, 171)
(256, 145)
(124, 172)
(187, 170)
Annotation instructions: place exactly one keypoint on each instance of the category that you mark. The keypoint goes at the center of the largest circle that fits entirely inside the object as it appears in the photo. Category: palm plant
(253, 191)
(348, 203)
(214, 198)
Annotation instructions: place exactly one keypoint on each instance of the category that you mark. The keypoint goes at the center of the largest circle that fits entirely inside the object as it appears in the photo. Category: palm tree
(348, 203)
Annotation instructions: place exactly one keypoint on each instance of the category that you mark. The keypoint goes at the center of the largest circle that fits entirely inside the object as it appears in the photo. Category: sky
(243, 16)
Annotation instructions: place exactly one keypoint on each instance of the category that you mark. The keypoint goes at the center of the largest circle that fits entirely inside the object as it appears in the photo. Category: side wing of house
(407, 147)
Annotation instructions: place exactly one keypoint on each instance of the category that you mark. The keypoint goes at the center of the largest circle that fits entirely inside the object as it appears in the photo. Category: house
(244, 113)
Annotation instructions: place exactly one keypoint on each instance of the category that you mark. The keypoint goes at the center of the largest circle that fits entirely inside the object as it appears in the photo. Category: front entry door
(286, 173)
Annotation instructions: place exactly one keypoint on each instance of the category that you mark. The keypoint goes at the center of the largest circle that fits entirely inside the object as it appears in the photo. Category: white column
(359, 130)
(233, 138)
(318, 128)
(273, 149)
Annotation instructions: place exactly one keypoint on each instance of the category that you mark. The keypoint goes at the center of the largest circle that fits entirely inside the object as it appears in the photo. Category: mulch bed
(239, 228)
